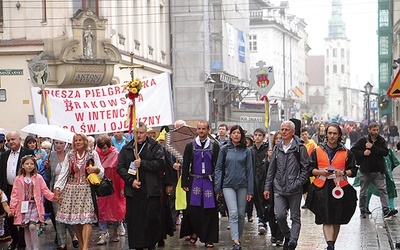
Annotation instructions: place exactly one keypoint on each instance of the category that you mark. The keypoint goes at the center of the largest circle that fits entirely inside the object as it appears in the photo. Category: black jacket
(260, 163)
(288, 172)
(149, 172)
(375, 161)
(3, 166)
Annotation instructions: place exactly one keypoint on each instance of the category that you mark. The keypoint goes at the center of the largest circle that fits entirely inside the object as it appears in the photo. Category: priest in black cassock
(200, 220)
(142, 194)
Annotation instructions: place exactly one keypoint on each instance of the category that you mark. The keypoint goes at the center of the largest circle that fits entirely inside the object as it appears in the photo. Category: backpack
(224, 153)
(306, 185)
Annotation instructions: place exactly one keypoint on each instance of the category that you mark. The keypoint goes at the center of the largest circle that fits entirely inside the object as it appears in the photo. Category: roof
(20, 42)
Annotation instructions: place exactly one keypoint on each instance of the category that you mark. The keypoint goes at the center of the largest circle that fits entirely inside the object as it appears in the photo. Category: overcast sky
(360, 17)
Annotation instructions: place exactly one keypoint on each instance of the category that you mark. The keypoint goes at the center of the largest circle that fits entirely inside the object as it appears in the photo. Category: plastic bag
(180, 196)
(94, 179)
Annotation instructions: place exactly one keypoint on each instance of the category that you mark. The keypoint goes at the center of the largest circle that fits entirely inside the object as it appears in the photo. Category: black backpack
(306, 185)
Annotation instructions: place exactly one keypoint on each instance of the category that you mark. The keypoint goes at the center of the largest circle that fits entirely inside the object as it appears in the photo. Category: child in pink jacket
(26, 203)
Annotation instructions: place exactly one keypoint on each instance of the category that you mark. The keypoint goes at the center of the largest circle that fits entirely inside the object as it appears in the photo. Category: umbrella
(50, 131)
(177, 139)
(3, 131)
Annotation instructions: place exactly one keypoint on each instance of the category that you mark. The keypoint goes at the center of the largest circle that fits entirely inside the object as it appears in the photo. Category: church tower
(338, 95)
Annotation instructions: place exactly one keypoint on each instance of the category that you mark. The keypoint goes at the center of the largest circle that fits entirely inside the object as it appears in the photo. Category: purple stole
(202, 185)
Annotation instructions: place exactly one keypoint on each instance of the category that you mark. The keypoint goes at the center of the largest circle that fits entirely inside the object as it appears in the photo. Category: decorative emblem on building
(262, 78)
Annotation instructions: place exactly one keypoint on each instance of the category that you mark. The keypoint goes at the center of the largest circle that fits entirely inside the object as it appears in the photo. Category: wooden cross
(132, 67)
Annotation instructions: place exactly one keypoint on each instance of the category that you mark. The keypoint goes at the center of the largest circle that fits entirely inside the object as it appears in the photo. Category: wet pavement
(370, 233)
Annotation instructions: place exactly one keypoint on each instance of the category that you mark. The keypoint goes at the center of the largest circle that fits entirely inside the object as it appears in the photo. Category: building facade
(340, 99)
(210, 41)
(84, 42)
(279, 39)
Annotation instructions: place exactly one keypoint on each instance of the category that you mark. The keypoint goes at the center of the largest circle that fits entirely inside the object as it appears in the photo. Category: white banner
(99, 110)
(231, 39)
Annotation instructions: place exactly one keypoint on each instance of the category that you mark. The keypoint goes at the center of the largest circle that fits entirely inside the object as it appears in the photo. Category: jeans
(103, 226)
(236, 202)
(379, 180)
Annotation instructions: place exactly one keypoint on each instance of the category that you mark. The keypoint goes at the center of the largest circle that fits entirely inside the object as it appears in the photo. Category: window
(327, 52)
(137, 44)
(334, 69)
(31, 119)
(342, 53)
(3, 95)
(253, 42)
(383, 45)
(327, 69)
(383, 18)
(342, 69)
(85, 4)
(384, 72)
(1, 14)
(334, 52)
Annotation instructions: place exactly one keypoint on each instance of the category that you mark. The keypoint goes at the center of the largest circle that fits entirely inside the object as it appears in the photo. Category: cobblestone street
(370, 233)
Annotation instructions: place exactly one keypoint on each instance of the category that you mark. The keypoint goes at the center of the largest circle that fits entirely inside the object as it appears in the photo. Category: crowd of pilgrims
(50, 177)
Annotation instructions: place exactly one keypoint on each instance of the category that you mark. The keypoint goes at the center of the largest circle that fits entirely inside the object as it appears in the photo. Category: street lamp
(209, 85)
(368, 88)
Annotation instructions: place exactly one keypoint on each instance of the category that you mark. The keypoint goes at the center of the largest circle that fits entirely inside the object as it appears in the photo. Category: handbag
(105, 188)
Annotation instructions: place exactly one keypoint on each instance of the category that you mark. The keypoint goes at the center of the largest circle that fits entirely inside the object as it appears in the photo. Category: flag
(266, 120)
(297, 91)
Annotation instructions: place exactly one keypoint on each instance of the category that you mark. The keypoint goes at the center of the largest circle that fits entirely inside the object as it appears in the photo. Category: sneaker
(228, 227)
(236, 246)
(121, 229)
(262, 230)
(389, 213)
(102, 241)
(273, 240)
(107, 235)
(279, 243)
(286, 244)
(292, 246)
